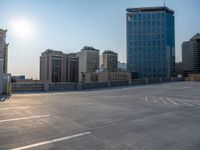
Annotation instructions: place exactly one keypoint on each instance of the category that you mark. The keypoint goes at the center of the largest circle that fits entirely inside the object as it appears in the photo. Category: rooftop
(150, 9)
(109, 52)
(89, 48)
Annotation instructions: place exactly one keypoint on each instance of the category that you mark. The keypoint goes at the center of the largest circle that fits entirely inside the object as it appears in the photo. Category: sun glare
(22, 28)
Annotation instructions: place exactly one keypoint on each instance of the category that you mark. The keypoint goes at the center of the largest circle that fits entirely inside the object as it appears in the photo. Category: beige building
(55, 66)
(106, 76)
(88, 61)
(109, 60)
(3, 60)
(191, 55)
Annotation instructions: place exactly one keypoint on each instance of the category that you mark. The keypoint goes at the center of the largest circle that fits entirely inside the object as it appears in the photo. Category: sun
(22, 28)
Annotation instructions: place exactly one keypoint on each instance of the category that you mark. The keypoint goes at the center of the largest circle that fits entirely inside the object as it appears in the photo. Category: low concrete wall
(27, 87)
(62, 86)
(94, 85)
(154, 80)
(118, 83)
(139, 81)
(193, 77)
(45, 86)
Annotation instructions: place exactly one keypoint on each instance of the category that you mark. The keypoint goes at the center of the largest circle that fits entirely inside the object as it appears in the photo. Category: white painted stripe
(146, 98)
(192, 102)
(8, 108)
(142, 98)
(51, 141)
(167, 98)
(184, 102)
(162, 100)
(24, 118)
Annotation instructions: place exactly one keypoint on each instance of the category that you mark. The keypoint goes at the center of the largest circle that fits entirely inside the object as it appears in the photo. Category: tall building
(3, 59)
(191, 55)
(150, 42)
(55, 66)
(88, 61)
(72, 68)
(109, 60)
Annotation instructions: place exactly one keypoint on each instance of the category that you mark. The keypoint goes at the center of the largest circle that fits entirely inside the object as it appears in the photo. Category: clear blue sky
(68, 25)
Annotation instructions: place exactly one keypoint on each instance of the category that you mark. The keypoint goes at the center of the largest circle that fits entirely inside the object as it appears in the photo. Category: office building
(3, 60)
(88, 61)
(105, 76)
(55, 66)
(191, 55)
(109, 60)
(71, 68)
(150, 42)
(122, 66)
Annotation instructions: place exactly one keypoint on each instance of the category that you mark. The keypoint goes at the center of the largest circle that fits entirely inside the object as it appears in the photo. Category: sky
(68, 25)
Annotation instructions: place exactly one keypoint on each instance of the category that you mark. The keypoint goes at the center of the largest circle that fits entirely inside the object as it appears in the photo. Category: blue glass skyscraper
(150, 42)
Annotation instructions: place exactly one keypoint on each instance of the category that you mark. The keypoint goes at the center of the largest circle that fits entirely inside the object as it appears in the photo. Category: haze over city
(34, 26)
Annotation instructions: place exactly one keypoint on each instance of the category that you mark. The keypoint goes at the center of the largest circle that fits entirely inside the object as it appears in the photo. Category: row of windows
(145, 23)
(146, 30)
(148, 69)
(147, 36)
(145, 50)
(145, 43)
(148, 16)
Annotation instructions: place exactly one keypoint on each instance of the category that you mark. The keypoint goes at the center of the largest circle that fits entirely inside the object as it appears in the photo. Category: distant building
(109, 60)
(3, 60)
(105, 76)
(179, 68)
(71, 68)
(17, 78)
(88, 61)
(150, 42)
(55, 66)
(191, 55)
(122, 66)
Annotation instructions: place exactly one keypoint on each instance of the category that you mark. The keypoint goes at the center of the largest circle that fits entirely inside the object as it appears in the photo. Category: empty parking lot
(149, 117)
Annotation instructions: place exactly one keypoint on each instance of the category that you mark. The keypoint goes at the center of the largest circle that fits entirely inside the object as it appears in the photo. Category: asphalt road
(152, 117)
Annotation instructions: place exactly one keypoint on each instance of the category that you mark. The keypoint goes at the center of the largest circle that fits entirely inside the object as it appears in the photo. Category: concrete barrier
(46, 86)
(94, 85)
(27, 87)
(118, 83)
(62, 86)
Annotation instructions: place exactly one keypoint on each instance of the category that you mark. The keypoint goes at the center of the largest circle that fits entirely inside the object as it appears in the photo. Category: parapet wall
(52, 87)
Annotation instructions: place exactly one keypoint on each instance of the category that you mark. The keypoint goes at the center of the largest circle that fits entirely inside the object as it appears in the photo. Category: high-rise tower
(150, 42)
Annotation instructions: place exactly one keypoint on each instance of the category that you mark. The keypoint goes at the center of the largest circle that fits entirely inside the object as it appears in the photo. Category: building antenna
(164, 2)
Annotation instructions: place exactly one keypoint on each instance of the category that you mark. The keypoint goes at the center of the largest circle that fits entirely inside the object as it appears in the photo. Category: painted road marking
(24, 118)
(51, 141)
(162, 100)
(191, 102)
(184, 102)
(8, 108)
(167, 98)
(146, 98)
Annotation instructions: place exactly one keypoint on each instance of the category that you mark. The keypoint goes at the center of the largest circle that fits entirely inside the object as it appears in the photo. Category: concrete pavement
(149, 117)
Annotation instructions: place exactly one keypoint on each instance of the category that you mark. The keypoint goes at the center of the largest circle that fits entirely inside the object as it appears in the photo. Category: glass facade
(150, 42)
(56, 69)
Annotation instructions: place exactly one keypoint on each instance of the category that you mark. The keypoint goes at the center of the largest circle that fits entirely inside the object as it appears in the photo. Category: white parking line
(24, 118)
(192, 102)
(162, 100)
(171, 101)
(51, 141)
(8, 108)
(146, 98)
(184, 102)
